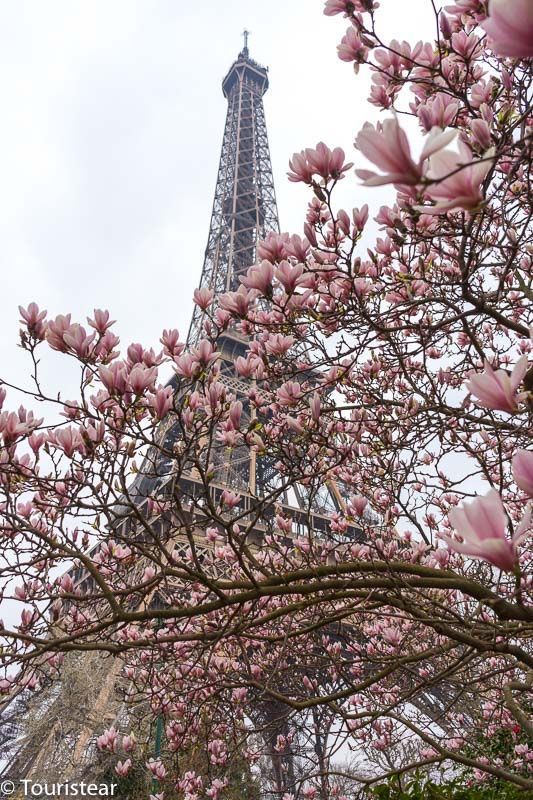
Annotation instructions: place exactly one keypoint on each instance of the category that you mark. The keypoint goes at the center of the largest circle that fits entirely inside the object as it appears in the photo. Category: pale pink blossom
(278, 345)
(273, 247)
(318, 161)
(162, 401)
(237, 302)
(333, 7)
(67, 439)
(294, 424)
(290, 275)
(298, 247)
(66, 583)
(360, 216)
(352, 48)
(171, 343)
(235, 413)
(482, 525)
(289, 393)
(34, 320)
(187, 366)
(11, 427)
(122, 768)
(440, 111)
(141, 378)
(359, 504)
(497, 389)
(301, 170)
(114, 378)
(481, 133)
(205, 352)
(458, 180)
(203, 297)
(315, 406)
(523, 470)
(55, 331)
(77, 339)
(260, 277)
(510, 27)
(108, 740)
(101, 321)
(157, 769)
(387, 146)
(230, 499)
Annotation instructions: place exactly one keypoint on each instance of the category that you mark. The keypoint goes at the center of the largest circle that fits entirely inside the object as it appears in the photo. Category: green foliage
(422, 788)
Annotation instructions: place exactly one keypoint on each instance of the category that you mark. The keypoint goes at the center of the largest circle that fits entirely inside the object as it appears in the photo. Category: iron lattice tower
(244, 208)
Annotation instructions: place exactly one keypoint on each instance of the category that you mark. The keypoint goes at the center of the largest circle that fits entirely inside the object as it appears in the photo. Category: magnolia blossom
(352, 48)
(497, 389)
(33, 318)
(457, 180)
(260, 277)
(321, 161)
(387, 146)
(523, 470)
(510, 27)
(123, 768)
(482, 524)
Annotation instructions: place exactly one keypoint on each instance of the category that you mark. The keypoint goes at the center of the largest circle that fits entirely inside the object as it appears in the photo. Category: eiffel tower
(244, 213)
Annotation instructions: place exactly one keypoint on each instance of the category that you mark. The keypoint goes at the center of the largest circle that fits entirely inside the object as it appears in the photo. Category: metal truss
(244, 208)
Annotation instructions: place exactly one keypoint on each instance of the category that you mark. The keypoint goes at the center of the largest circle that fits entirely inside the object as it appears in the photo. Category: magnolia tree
(399, 377)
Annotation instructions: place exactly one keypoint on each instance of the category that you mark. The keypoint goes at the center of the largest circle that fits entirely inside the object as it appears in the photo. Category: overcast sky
(112, 121)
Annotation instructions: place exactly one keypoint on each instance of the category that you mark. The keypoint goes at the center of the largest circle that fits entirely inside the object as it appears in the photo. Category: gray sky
(112, 120)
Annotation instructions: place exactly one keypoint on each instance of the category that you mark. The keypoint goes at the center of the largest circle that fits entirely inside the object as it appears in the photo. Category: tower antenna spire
(246, 34)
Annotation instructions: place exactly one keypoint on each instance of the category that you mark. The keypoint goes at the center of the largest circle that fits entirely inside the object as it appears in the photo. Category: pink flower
(171, 343)
(352, 48)
(101, 321)
(482, 524)
(162, 401)
(230, 499)
(235, 413)
(278, 345)
(510, 26)
(236, 303)
(315, 406)
(387, 146)
(203, 297)
(273, 247)
(523, 470)
(440, 111)
(359, 503)
(108, 740)
(497, 389)
(481, 133)
(141, 378)
(333, 7)
(289, 275)
(289, 393)
(320, 161)
(129, 743)
(114, 378)
(260, 277)
(458, 180)
(66, 583)
(301, 170)
(76, 339)
(55, 331)
(157, 769)
(68, 439)
(33, 318)
(122, 768)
